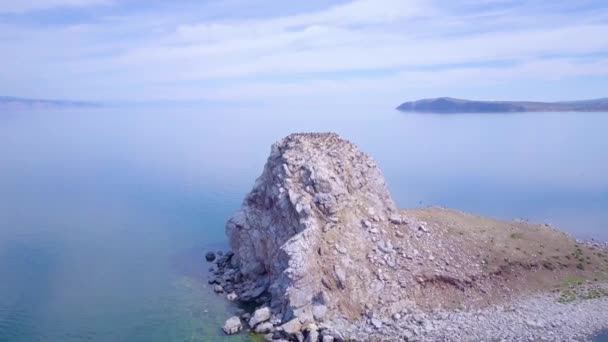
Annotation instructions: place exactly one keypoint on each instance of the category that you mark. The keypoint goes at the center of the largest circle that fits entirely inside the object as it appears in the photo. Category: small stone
(376, 323)
(534, 324)
(259, 316)
(397, 316)
(218, 289)
(340, 249)
(395, 219)
(385, 246)
(232, 326)
(231, 296)
(399, 234)
(210, 256)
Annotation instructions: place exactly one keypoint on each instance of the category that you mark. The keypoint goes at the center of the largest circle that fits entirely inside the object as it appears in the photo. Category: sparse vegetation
(516, 236)
(569, 289)
(595, 293)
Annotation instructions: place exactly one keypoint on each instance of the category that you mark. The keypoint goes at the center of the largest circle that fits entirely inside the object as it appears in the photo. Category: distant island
(449, 105)
(9, 102)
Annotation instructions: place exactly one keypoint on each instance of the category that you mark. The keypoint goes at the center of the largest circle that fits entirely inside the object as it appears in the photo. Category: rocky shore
(319, 252)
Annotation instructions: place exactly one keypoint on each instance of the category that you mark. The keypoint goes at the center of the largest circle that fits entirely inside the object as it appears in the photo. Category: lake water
(105, 214)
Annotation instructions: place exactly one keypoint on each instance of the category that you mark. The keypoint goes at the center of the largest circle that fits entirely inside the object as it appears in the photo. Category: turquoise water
(105, 214)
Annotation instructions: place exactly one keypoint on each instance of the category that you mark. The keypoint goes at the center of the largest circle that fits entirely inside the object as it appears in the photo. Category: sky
(301, 52)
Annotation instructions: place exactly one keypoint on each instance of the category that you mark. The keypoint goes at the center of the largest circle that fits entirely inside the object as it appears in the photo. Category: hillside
(452, 105)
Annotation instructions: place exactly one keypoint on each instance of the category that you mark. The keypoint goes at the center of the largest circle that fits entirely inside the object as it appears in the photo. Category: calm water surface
(105, 214)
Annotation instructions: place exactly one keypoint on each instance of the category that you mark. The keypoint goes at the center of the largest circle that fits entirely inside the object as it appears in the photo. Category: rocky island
(451, 105)
(17, 103)
(320, 252)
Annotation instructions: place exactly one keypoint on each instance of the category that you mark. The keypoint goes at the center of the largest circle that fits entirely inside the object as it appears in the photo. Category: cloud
(22, 6)
(348, 48)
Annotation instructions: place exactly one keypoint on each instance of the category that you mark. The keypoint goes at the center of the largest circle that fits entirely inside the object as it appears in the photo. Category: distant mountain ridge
(9, 102)
(452, 105)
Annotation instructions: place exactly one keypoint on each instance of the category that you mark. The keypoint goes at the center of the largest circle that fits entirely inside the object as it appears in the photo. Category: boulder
(264, 328)
(259, 316)
(292, 327)
(232, 326)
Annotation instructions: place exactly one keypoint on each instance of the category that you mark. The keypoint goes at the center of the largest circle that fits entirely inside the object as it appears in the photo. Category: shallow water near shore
(105, 214)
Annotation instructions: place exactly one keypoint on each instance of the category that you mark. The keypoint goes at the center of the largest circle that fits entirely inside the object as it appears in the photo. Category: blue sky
(362, 51)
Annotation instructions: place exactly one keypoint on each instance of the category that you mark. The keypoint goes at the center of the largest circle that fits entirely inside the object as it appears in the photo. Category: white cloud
(21, 6)
(361, 46)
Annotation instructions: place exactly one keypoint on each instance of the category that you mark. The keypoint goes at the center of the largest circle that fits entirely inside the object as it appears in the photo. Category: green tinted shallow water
(105, 215)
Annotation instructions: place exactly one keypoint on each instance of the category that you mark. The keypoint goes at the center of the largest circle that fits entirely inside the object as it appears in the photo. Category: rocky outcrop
(321, 248)
(299, 230)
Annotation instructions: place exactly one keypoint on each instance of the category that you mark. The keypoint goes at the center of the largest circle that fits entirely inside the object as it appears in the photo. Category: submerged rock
(210, 256)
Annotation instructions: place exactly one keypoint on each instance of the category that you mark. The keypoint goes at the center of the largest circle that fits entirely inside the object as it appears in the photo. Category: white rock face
(307, 205)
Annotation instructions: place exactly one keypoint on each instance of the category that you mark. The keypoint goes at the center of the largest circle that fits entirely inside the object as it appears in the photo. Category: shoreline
(539, 317)
(545, 316)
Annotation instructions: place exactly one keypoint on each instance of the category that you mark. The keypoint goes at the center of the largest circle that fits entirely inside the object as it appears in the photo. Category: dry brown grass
(517, 256)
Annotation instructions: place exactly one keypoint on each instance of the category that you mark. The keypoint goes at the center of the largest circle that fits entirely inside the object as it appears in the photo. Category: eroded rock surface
(300, 229)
